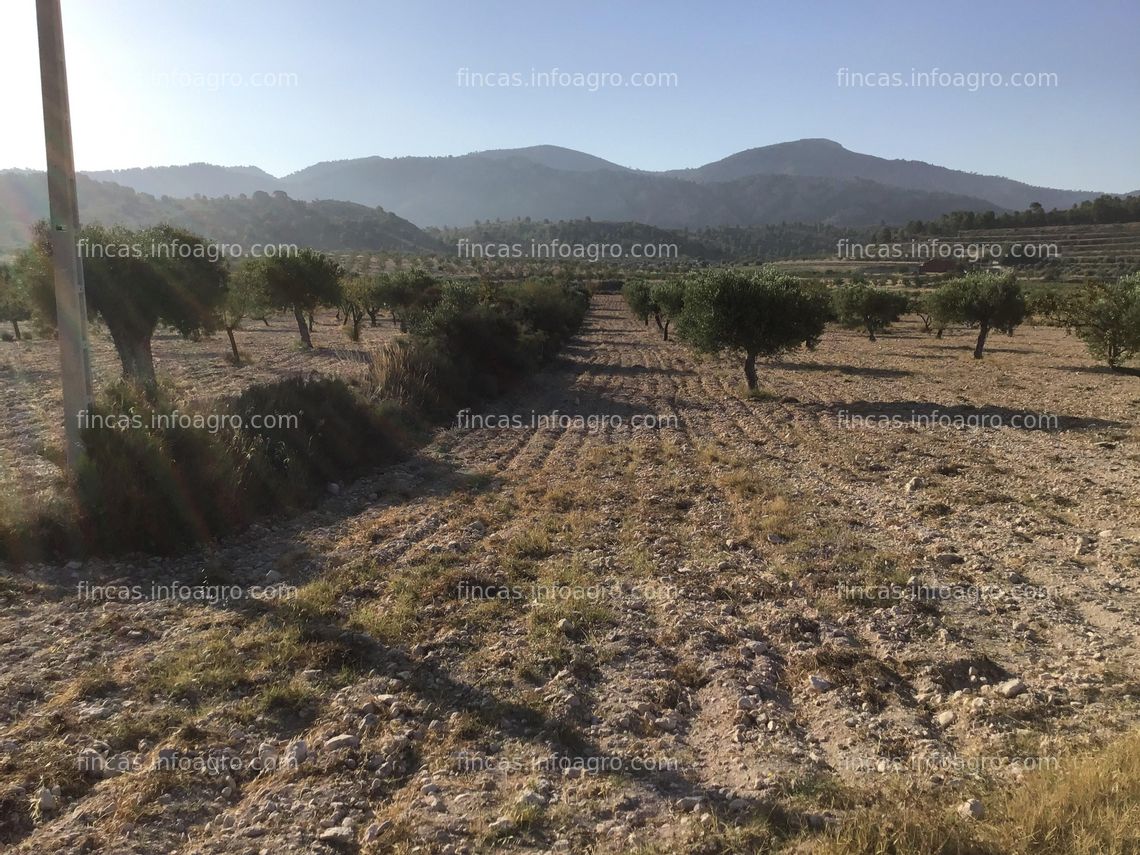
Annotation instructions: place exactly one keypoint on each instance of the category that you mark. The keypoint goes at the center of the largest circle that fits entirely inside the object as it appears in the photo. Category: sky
(282, 84)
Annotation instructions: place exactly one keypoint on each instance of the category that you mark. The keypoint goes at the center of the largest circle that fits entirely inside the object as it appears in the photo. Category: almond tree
(638, 297)
(358, 294)
(244, 299)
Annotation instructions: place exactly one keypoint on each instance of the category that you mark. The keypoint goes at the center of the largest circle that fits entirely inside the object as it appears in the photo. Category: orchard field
(806, 618)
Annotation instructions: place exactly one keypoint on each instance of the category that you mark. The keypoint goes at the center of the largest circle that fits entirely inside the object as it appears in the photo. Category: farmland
(720, 630)
(438, 429)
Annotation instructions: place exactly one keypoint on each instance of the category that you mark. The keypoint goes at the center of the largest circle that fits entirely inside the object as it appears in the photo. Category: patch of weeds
(533, 543)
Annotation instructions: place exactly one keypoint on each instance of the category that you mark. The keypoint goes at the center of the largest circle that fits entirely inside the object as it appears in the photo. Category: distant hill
(552, 156)
(194, 179)
(451, 191)
(828, 159)
(809, 180)
(812, 180)
(258, 218)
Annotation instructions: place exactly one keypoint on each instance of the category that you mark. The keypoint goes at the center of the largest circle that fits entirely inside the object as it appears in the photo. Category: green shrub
(322, 431)
(472, 343)
(157, 479)
(416, 374)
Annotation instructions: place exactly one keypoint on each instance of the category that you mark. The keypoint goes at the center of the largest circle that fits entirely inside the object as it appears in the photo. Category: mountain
(443, 191)
(260, 218)
(828, 159)
(811, 180)
(552, 156)
(194, 179)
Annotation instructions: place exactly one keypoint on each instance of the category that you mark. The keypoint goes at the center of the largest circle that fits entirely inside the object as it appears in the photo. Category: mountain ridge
(809, 180)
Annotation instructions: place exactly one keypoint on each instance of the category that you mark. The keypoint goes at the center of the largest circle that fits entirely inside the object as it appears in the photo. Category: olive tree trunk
(133, 348)
(750, 371)
(983, 332)
(233, 345)
(302, 327)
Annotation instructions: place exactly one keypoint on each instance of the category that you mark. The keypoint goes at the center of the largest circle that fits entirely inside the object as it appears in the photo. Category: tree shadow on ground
(1099, 370)
(927, 414)
(856, 370)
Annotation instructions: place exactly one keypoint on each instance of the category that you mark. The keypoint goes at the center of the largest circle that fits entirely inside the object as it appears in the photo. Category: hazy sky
(157, 82)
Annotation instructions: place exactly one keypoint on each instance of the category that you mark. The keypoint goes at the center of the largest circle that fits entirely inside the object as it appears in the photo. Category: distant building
(940, 265)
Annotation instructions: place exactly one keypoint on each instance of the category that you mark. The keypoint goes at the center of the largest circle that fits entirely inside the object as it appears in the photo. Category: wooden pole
(75, 357)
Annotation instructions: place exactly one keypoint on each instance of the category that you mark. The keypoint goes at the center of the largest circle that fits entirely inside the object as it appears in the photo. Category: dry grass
(1089, 805)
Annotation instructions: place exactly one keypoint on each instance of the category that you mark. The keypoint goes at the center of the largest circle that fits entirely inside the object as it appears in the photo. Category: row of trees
(139, 279)
(767, 313)
(1101, 210)
(753, 313)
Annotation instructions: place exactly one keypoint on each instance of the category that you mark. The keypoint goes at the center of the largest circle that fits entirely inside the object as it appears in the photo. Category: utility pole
(71, 303)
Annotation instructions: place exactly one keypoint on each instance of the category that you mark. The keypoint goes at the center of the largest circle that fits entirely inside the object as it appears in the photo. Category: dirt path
(654, 603)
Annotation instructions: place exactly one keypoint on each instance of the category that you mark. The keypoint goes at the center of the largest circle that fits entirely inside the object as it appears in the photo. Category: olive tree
(762, 313)
(919, 304)
(668, 301)
(638, 296)
(358, 294)
(135, 280)
(299, 283)
(1106, 317)
(244, 299)
(407, 294)
(14, 304)
(869, 308)
(988, 301)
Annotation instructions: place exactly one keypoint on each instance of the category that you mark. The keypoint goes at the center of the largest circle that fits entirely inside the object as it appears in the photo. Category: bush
(416, 374)
(473, 343)
(143, 485)
(336, 434)
(158, 479)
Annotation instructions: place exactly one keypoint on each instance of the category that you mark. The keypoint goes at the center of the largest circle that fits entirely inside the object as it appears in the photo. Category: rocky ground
(715, 633)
